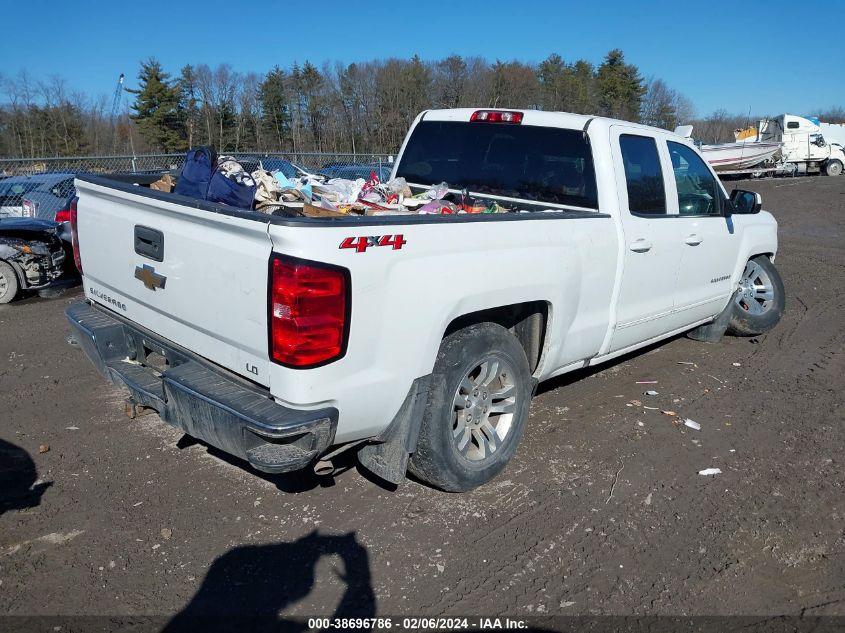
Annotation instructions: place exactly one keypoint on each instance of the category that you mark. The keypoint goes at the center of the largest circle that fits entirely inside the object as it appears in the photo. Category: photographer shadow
(18, 477)
(251, 586)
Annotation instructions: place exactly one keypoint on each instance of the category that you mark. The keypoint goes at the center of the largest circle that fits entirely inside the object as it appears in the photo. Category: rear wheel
(9, 285)
(759, 304)
(833, 168)
(477, 408)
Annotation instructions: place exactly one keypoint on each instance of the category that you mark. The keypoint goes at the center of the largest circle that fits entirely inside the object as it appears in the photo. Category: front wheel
(760, 301)
(833, 168)
(477, 408)
(9, 285)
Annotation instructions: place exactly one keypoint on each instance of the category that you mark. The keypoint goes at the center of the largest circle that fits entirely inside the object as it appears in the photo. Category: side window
(646, 191)
(699, 192)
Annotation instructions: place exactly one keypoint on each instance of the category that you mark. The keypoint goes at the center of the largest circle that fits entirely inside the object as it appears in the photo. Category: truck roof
(566, 120)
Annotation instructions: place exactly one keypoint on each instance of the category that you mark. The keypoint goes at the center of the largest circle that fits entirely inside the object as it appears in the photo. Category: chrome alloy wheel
(484, 406)
(756, 291)
(4, 286)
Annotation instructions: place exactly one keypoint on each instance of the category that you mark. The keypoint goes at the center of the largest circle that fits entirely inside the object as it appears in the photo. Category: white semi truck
(805, 149)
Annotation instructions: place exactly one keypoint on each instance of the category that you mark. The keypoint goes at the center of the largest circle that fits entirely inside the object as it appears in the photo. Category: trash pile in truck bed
(339, 196)
(224, 180)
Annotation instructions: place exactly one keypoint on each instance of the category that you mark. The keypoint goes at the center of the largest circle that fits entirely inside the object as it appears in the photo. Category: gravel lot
(601, 512)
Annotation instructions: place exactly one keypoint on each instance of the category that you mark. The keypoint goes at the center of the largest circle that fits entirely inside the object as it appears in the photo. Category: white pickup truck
(418, 341)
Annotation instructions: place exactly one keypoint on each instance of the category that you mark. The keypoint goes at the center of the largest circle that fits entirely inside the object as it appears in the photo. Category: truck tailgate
(192, 276)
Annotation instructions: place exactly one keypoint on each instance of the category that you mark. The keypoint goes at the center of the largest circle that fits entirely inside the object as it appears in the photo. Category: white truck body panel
(215, 299)
(402, 305)
(604, 297)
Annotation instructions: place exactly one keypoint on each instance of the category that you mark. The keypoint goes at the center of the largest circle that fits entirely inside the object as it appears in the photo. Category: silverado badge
(149, 277)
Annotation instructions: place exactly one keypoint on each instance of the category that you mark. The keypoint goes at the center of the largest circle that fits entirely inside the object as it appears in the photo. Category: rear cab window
(523, 162)
(643, 175)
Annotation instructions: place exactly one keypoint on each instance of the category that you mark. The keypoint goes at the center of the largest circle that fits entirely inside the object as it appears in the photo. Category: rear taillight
(496, 116)
(74, 233)
(309, 312)
(63, 215)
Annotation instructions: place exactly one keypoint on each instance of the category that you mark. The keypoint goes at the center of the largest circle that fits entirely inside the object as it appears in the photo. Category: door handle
(640, 246)
(693, 240)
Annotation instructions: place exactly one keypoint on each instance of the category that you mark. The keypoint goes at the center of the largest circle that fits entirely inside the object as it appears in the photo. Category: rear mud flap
(387, 457)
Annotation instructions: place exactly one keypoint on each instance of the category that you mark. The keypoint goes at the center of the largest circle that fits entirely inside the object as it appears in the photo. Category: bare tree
(341, 107)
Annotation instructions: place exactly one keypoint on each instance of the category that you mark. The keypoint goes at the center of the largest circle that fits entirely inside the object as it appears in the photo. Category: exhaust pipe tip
(323, 468)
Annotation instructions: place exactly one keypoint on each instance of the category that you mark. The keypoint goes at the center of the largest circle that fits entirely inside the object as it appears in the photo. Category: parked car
(354, 171)
(12, 191)
(31, 256)
(417, 341)
(44, 196)
(279, 164)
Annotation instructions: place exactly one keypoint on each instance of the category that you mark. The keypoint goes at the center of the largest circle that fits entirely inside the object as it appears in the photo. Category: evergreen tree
(414, 88)
(620, 87)
(584, 88)
(311, 84)
(156, 108)
(554, 89)
(275, 109)
(350, 100)
(188, 106)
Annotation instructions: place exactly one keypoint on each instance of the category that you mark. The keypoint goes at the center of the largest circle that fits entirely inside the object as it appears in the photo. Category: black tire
(833, 168)
(438, 459)
(745, 321)
(9, 285)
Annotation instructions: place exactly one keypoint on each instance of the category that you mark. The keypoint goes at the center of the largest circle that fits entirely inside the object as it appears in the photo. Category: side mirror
(746, 202)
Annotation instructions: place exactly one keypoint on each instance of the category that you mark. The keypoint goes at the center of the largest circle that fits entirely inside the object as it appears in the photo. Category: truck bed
(138, 184)
(215, 301)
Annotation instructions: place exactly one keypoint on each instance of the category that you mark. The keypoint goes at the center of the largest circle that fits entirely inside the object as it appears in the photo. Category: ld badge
(149, 277)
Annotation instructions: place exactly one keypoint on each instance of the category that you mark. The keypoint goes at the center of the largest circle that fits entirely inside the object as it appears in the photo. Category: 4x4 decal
(361, 244)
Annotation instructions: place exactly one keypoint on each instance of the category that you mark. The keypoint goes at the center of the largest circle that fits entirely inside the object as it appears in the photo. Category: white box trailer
(833, 132)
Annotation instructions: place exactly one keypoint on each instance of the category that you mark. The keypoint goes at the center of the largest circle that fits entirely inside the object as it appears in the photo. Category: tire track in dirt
(766, 536)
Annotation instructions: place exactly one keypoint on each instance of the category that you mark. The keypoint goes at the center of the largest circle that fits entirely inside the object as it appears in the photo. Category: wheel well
(770, 255)
(527, 321)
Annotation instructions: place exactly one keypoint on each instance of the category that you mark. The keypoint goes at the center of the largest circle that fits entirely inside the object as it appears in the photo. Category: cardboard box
(166, 183)
(311, 211)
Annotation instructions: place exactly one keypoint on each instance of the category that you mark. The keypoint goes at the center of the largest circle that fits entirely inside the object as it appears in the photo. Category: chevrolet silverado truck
(418, 340)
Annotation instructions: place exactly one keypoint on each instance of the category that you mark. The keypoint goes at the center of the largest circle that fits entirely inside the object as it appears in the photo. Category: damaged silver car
(31, 256)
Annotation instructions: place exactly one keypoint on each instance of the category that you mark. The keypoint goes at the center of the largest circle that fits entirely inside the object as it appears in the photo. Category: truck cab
(805, 148)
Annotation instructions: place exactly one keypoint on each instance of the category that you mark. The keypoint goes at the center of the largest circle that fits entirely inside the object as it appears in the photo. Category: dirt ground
(602, 511)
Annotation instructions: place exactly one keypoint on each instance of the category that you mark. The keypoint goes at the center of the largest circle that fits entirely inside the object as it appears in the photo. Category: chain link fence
(41, 187)
(309, 161)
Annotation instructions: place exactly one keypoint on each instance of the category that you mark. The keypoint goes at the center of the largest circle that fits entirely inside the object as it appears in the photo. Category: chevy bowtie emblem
(149, 277)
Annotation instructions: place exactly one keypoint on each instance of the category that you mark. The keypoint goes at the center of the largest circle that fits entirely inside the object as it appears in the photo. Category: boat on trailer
(732, 156)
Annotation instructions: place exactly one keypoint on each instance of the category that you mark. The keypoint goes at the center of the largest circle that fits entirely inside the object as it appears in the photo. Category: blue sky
(737, 55)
